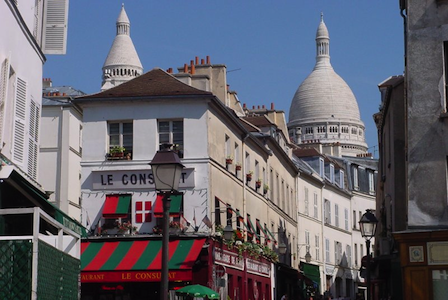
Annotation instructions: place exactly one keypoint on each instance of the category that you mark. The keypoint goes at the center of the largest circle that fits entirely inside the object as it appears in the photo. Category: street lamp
(367, 224)
(282, 248)
(166, 170)
(228, 232)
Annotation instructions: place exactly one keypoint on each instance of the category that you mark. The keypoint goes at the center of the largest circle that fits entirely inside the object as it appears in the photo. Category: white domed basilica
(324, 112)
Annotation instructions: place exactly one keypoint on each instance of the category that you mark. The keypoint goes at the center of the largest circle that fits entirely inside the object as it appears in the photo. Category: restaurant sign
(258, 268)
(134, 179)
(230, 259)
(134, 276)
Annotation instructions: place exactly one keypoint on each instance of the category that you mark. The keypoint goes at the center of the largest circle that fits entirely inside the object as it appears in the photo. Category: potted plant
(249, 176)
(117, 151)
(157, 230)
(258, 183)
(265, 189)
(238, 166)
(175, 227)
(229, 160)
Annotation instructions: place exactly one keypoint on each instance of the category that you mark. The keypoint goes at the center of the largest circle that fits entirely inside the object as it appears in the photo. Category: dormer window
(332, 173)
(341, 179)
(355, 178)
(321, 168)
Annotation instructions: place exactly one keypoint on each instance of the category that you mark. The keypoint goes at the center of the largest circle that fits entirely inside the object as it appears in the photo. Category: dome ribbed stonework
(122, 62)
(324, 109)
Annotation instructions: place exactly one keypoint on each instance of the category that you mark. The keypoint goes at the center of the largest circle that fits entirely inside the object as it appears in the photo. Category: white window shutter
(4, 79)
(33, 139)
(55, 27)
(19, 121)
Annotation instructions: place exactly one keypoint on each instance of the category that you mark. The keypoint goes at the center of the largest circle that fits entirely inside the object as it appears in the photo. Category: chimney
(208, 60)
(46, 83)
(192, 68)
(197, 60)
(244, 105)
(202, 61)
(272, 105)
(264, 107)
(185, 68)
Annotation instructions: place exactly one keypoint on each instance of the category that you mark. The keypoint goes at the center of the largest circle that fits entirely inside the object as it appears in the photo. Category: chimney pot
(258, 107)
(244, 105)
(263, 107)
(185, 68)
(197, 60)
(253, 106)
(202, 61)
(208, 60)
(272, 105)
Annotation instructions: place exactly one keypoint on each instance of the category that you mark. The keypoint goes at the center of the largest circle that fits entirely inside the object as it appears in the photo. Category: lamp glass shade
(282, 248)
(307, 257)
(167, 170)
(228, 233)
(367, 224)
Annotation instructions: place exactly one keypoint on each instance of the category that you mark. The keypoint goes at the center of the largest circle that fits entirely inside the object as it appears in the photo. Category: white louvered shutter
(4, 79)
(19, 121)
(33, 139)
(55, 27)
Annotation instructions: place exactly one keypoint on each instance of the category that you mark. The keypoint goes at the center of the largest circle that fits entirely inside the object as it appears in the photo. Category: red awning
(116, 206)
(176, 204)
(137, 260)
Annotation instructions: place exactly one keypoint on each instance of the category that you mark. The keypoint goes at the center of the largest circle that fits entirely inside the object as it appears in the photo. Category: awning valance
(138, 255)
(116, 206)
(175, 208)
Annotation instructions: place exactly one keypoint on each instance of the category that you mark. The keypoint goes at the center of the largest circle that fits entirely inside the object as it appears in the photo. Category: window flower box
(249, 176)
(258, 183)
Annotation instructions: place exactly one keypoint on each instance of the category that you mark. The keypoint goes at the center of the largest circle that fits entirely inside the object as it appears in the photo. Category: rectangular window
(361, 250)
(217, 212)
(229, 215)
(355, 178)
(121, 135)
(336, 215)
(321, 167)
(19, 121)
(337, 252)
(346, 218)
(331, 173)
(316, 207)
(439, 284)
(257, 171)
(348, 251)
(307, 239)
(327, 208)
(354, 219)
(237, 154)
(327, 250)
(341, 179)
(371, 182)
(172, 132)
(356, 254)
(238, 219)
(306, 202)
(227, 145)
(317, 246)
(247, 163)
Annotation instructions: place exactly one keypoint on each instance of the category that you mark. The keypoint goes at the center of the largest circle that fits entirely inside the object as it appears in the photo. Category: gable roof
(155, 83)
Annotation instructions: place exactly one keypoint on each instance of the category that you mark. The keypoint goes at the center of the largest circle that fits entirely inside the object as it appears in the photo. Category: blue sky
(268, 46)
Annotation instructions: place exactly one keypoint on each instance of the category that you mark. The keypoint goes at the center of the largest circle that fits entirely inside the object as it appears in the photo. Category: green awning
(116, 206)
(175, 208)
(312, 272)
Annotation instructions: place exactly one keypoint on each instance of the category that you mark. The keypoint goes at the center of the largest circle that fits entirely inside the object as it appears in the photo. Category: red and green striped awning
(176, 205)
(109, 261)
(138, 255)
(116, 206)
(266, 237)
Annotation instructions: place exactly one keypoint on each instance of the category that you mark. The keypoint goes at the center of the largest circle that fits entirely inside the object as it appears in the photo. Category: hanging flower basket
(258, 184)
(249, 176)
(229, 161)
(238, 167)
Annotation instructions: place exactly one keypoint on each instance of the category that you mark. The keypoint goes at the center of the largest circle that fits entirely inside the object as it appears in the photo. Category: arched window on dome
(360, 132)
(308, 130)
(354, 131)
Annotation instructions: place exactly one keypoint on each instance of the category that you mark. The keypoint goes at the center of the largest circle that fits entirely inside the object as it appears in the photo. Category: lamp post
(166, 170)
(367, 224)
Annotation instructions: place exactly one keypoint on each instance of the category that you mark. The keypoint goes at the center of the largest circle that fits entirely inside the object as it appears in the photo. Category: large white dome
(324, 109)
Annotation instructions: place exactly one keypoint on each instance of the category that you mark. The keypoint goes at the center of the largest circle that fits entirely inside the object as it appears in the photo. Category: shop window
(172, 132)
(439, 284)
